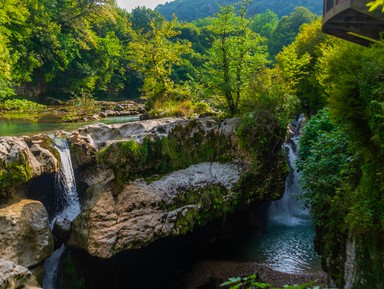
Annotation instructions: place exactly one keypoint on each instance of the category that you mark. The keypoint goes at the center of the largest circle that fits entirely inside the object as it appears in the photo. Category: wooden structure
(350, 20)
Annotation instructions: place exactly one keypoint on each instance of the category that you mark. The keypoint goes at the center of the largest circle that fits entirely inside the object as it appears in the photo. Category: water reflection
(286, 248)
(47, 124)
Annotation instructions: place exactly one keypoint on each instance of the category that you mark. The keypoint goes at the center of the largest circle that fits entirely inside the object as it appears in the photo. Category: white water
(288, 246)
(70, 207)
(289, 210)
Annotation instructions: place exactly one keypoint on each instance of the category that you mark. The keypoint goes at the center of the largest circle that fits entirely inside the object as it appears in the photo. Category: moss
(71, 277)
(184, 146)
(14, 173)
(213, 202)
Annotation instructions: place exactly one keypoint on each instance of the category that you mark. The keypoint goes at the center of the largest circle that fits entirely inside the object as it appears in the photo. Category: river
(49, 123)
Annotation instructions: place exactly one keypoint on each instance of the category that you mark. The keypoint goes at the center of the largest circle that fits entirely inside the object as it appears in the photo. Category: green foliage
(181, 148)
(288, 27)
(235, 56)
(16, 172)
(82, 105)
(325, 164)
(261, 135)
(265, 23)
(184, 108)
(250, 282)
(373, 5)
(21, 105)
(154, 55)
(342, 159)
(141, 19)
(188, 10)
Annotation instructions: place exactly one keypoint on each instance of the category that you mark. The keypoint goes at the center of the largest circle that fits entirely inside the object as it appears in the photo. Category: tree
(235, 54)
(299, 60)
(141, 19)
(288, 28)
(154, 55)
(265, 23)
(5, 69)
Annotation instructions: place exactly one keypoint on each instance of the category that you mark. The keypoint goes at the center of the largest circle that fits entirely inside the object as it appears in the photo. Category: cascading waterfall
(68, 206)
(288, 246)
(289, 210)
(66, 191)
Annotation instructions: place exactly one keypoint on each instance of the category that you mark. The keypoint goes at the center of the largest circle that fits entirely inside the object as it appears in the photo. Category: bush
(21, 105)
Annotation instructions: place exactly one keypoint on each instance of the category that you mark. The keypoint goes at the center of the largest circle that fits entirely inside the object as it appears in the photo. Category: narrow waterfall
(288, 245)
(289, 210)
(68, 207)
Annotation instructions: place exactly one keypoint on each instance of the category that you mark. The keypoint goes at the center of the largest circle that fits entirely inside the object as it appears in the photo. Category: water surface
(50, 123)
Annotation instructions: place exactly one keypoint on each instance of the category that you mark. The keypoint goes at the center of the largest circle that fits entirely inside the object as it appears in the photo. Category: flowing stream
(68, 207)
(285, 244)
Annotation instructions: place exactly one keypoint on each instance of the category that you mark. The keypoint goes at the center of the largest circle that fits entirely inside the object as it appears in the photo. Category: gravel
(215, 272)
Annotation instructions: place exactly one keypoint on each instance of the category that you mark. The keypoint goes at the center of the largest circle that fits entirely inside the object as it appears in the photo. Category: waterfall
(289, 210)
(68, 207)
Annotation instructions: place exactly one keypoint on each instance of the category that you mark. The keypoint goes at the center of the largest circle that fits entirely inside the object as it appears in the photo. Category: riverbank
(210, 274)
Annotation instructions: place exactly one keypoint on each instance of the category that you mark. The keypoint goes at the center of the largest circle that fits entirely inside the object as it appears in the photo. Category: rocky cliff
(143, 181)
(158, 178)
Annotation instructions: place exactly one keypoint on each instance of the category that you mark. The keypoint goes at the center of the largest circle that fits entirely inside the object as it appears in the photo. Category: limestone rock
(100, 134)
(13, 276)
(25, 237)
(142, 213)
(85, 150)
(26, 157)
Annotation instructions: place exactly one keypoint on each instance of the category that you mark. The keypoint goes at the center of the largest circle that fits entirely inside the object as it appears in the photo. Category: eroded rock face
(25, 237)
(99, 135)
(159, 178)
(13, 276)
(33, 151)
(142, 213)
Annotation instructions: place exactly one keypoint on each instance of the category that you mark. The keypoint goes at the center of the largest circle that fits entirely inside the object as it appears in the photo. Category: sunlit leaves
(235, 54)
(373, 5)
(154, 55)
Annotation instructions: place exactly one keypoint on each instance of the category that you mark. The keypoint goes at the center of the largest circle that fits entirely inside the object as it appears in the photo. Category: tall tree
(235, 54)
(154, 55)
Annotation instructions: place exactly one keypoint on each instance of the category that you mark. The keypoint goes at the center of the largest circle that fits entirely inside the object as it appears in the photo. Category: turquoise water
(50, 123)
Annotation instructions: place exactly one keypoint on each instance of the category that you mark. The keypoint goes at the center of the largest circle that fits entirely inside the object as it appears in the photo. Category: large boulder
(142, 213)
(160, 178)
(25, 236)
(13, 276)
(23, 158)
(35, 153)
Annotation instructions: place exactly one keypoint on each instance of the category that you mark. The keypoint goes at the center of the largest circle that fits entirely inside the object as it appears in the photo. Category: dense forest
(231, 63)
(71, 48)
(193, 10)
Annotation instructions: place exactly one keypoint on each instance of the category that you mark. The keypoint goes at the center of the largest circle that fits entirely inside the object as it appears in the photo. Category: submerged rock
(25, 237)
(15, 276)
